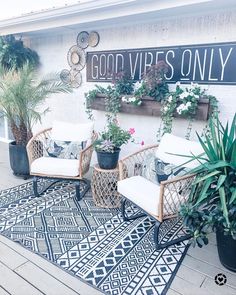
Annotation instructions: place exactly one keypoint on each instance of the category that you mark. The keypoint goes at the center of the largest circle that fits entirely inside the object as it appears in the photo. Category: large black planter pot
(108, 160)
(226, 249)
(18, 160)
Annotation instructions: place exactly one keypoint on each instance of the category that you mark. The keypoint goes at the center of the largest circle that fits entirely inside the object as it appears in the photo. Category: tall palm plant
(22, 96)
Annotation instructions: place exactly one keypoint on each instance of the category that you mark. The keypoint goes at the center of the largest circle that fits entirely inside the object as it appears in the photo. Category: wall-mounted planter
(150, 107)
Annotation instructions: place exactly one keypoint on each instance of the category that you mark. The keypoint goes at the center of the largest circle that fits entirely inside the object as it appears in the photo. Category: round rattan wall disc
(76, 58)
(82, 39)
(65, 76)
(93, 39)
(76, 78)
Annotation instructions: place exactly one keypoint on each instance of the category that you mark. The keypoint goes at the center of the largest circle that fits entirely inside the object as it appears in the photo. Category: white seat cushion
(55, 166)
(142, 192)
(171, 144)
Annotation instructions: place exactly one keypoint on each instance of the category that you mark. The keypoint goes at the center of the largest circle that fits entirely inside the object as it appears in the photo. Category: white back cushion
(71, 132)
(180, 146)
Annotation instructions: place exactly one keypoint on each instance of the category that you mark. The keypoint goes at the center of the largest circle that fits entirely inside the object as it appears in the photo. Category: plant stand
(104, 187)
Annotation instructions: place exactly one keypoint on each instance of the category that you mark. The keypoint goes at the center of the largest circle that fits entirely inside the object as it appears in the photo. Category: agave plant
(212, 203)
(22, 97)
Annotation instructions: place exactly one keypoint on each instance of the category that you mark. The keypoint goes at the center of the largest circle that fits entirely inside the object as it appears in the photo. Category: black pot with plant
(108, 160)
(21, 96)
(108, 145)
(212, 203)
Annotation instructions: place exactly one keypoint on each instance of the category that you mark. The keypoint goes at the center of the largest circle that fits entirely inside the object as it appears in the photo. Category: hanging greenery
(153, 85)
(112, 101)
(184, 102)
(13, 53)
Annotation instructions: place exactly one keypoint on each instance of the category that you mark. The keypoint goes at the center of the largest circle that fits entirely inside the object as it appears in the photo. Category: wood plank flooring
(25, 273)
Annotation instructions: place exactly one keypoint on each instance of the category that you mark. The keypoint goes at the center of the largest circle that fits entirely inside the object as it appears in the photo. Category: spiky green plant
(22, 97)
(212, 203)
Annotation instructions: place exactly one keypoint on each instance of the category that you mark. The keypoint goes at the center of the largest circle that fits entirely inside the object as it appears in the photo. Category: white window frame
(6, 132)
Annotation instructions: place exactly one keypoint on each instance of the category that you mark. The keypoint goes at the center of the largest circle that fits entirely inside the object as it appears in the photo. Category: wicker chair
(138, 182)
(56, 168)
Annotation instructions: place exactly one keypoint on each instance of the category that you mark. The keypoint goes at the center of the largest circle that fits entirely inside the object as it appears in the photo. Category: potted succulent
(108, 145)
(21, 99)
(212, 203)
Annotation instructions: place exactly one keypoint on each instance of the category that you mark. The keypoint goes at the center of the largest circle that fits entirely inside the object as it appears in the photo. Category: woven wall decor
(76, 58)
(76, 78)
(93, 39)
(82, 39)
(65, 76)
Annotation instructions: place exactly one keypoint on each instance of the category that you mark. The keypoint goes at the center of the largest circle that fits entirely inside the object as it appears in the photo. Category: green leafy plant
(153, 84)
(112, 138)
(112, 101)
(184, 103)
(90, 97)
(212, 203)
(13, 53)
(123, 83)
(21, 97)
(154, 81)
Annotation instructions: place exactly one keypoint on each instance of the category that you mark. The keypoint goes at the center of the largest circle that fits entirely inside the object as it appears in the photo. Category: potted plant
(184, 102)
(212, 203)
(13, 53)
(108, 145)
(21, 97)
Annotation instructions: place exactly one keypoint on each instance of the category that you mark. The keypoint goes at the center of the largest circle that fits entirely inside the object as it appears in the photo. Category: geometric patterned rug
(91, 243)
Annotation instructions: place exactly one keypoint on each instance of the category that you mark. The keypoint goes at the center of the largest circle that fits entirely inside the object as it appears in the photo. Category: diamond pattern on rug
(92, 243)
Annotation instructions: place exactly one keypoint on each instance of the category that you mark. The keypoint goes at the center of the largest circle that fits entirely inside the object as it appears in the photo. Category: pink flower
(142, 142)
(131, 131)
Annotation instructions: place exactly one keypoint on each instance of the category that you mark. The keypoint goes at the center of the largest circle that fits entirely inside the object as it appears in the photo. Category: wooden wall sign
(206, 64)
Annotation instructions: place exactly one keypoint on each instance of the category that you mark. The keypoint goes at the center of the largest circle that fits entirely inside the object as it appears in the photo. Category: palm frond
(21, 95)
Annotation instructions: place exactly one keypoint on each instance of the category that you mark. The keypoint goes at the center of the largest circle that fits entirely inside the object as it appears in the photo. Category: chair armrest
(174, 193)
(36, 145)
(134, 163)
(85, 157)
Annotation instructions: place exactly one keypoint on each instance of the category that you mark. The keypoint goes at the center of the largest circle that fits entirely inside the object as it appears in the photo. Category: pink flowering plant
(112, 138)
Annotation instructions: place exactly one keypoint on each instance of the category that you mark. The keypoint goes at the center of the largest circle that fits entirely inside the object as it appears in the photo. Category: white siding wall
(212, 28)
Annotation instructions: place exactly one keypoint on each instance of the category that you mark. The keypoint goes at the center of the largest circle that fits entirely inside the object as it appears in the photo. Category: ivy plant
(184, 102)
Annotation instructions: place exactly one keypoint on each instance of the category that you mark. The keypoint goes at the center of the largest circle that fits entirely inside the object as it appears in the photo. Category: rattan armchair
(35, 150)
(160, 201)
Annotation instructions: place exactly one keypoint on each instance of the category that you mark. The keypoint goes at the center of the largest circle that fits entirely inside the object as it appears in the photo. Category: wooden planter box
(151, 107)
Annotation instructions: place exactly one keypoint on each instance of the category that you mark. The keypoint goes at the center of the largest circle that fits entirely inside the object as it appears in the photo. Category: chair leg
(124, 215)
(77, 191)
(160, 245)
(35, 186)
(78, 194)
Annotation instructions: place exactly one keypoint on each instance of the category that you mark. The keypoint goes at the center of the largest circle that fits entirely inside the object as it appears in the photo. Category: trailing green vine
(183, 102)
(112, 101)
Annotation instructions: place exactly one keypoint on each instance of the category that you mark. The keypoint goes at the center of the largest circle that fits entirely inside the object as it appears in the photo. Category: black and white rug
(91, 243)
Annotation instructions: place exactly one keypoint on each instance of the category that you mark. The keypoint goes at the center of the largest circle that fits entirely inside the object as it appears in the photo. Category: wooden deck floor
(25, 273)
